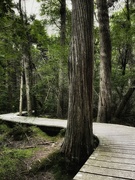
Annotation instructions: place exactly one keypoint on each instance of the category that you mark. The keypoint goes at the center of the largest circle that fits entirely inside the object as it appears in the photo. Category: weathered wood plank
(122, 151)
(88, 176)
(114, 154)
(126, 146)
(108, 172)
(110, 165)
(113, 159)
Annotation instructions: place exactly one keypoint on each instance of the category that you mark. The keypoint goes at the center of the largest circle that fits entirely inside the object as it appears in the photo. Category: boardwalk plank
(113, 159)
(110, 165)
(119, 155)
(88, 176)
(114, 150)
(108, 172)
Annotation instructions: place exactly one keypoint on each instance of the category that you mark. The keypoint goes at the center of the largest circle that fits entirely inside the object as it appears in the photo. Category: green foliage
(51, 10)
(123, 41)
(45, 54)
(46, 87)
(122, 38)
(5, 7)
(4, 128)
(20, 132)
(40, 37)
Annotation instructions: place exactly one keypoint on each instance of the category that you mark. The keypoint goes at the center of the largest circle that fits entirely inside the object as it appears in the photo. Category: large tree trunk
(78, 143)
(62, 43)
(104, 106)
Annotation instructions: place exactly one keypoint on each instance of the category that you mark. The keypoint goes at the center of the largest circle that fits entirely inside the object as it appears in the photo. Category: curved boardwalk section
(14, 117)
(113, 159)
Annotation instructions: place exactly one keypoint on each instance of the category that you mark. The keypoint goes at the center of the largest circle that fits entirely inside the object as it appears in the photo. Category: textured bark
(78, 143)
(62, 43)
(104, 106)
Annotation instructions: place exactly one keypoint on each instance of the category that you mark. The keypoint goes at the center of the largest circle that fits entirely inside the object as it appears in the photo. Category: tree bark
(104, 105)
(62, 44)
(78, 143)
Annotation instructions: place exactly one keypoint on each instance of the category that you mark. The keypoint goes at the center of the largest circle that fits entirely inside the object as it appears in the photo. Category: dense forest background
(34, 65)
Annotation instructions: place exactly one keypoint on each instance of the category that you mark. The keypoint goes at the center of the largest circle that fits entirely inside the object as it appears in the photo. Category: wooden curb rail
(113, 159)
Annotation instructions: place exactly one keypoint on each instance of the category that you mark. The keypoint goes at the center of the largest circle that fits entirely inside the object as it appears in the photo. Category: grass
(11, 162)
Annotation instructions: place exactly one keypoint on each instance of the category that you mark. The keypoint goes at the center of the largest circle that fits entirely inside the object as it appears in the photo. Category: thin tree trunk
(26, 56)
(78, 143)
(104, 105)
(21, 89)
(62, 43)
(27, 81)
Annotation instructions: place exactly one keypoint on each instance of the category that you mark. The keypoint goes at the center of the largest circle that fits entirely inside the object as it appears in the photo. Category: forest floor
(27, 153)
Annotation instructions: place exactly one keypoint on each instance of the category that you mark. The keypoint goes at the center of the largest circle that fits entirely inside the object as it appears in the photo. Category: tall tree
(26, 57)
(78, 143)
(104, 106)
(60, 102)
(21, 89)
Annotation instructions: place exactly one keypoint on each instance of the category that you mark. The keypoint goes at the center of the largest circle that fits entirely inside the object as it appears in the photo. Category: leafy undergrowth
(28, 153)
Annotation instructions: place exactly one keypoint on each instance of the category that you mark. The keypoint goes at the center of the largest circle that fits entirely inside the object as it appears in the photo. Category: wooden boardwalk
(14, 117)
(114, 158)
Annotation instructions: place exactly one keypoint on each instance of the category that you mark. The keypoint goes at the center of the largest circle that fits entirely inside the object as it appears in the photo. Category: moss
(38, 132)
(12, 161)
